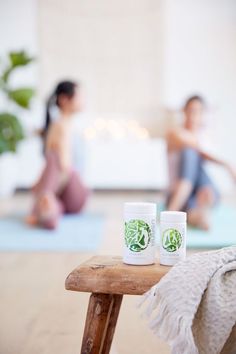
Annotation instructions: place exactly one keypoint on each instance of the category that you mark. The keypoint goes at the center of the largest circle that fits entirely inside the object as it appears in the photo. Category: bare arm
(231, 169)
(182, 138)
(212, 158)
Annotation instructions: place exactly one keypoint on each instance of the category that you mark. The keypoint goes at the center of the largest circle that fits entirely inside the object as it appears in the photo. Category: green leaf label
(171, 240)
(137, 235)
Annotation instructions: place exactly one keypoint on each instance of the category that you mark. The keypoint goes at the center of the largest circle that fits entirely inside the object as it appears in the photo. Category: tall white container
(172, 237)
(140, 233)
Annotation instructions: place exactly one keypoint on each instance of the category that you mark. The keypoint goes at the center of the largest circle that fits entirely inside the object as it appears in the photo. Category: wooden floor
(37, 316)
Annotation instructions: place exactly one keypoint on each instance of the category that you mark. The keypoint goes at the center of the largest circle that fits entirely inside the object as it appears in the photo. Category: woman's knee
(77, 202)
(75, 195)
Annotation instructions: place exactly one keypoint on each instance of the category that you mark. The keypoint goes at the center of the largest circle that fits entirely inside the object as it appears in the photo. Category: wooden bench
(108, 279)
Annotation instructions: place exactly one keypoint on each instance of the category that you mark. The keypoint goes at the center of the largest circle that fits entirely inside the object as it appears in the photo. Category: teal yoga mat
(75, 233)
(221, 234)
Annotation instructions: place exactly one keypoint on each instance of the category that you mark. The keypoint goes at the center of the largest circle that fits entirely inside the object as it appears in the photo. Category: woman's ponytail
(66, 88)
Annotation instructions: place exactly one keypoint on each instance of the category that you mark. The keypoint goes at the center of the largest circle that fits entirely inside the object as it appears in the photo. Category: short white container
(172, 237)
(139, 233)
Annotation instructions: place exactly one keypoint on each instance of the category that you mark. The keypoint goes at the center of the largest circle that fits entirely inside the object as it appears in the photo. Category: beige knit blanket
(193, 307)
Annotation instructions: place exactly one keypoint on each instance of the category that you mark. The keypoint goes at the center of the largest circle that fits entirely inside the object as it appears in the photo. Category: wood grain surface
(109, 275)
(102, 314)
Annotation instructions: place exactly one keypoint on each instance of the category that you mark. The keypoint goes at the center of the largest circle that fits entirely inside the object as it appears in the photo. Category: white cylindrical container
(172, 237)
(140, 233)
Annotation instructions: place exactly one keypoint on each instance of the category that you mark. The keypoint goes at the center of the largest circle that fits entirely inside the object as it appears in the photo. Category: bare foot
(31, 220)
(47, 206)
(205, 197)
(199, 218)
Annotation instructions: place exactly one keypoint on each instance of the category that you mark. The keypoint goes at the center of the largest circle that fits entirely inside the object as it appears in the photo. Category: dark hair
(194, 98)
(66, 88)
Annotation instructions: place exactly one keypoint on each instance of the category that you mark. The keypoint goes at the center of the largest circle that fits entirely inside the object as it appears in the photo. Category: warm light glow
(111, 129)
(90, 133)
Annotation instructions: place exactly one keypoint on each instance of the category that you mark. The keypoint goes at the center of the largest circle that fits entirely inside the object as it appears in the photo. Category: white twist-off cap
(142, 208)
(173, 216)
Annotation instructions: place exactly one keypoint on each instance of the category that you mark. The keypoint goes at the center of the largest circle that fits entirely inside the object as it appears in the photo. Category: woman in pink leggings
(59, 189)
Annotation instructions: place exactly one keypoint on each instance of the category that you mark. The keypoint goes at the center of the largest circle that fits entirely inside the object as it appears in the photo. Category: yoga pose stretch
(59, 189)
(191, 189)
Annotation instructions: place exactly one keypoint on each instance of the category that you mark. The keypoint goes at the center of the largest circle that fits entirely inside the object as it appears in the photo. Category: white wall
(200, 56)
(18, 25)
(114, 47)
(18, 30)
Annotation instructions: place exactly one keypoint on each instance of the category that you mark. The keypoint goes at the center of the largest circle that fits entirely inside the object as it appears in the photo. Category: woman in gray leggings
(191, 189)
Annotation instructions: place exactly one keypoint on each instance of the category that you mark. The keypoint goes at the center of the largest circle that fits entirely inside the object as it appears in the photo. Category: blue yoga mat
(221, 234)
(75, 233)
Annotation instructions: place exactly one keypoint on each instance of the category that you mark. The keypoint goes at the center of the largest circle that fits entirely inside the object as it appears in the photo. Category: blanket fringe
(166, 325)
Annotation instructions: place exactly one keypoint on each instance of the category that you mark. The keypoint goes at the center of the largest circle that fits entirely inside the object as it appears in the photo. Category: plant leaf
(19, 58)
(11, 132)
(6, 74)
(22, 96)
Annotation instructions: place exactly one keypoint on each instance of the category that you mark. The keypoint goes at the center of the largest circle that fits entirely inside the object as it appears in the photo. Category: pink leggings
(69, 199)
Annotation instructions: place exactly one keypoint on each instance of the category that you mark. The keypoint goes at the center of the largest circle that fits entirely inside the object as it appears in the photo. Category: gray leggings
(192, 168)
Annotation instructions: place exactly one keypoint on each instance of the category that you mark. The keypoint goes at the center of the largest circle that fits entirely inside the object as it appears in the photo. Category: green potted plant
(13, 100)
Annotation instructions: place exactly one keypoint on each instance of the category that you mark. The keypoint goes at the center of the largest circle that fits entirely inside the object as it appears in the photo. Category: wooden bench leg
(102, 314)
(112, 323)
